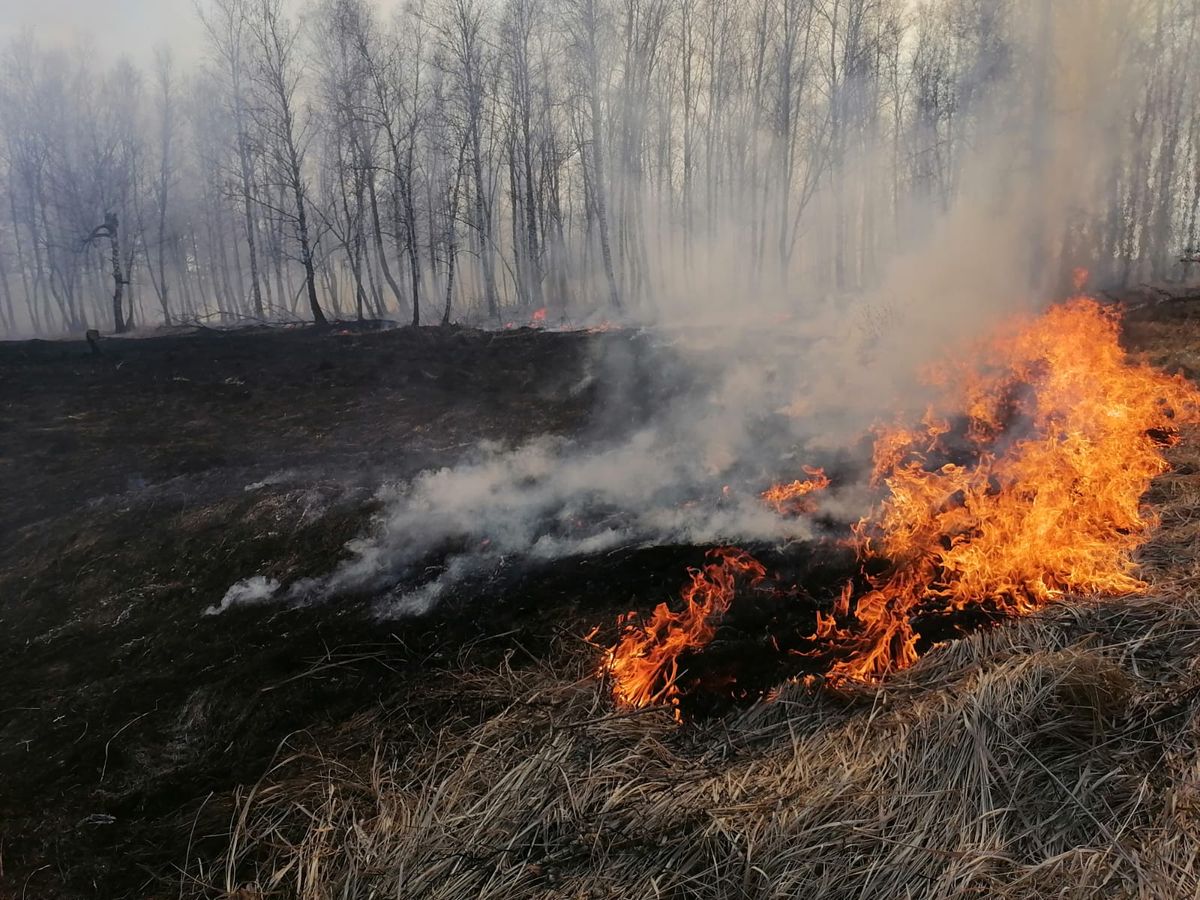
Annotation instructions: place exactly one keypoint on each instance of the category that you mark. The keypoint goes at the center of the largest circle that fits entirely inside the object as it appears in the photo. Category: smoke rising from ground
(686, 468)
(804, 200)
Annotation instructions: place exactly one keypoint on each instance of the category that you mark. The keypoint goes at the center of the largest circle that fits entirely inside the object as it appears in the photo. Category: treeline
(485, 159)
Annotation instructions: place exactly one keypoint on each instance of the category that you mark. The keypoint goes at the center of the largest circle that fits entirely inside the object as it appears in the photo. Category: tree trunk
(11, 316)
(483, 226)
(614, 297)
(310, 279)
(410, 227)
(112, 228)
(248, 203)
(379, 249)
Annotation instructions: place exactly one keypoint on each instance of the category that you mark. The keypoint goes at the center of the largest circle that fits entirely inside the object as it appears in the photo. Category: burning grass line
(853, 816)
(1035, 495)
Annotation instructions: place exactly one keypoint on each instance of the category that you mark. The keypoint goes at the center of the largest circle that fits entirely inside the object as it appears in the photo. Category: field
(150, 750)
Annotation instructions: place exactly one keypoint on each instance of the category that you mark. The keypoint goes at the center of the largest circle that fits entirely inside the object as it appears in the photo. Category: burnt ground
(137, 485)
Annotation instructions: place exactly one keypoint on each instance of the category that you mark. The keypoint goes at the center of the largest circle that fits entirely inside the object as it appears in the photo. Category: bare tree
(580, 154)
(166, 128)
(228, 23)
(111, 230)
(518, 33)
(278, 73)
(585, 26)
(464, 45)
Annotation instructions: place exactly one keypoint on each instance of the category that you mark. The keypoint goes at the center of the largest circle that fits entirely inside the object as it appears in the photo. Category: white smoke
(741, 390)
(256, 589)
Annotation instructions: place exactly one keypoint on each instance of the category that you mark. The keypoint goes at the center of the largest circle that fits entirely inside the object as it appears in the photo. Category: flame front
(1060, 436)
(1022, 484)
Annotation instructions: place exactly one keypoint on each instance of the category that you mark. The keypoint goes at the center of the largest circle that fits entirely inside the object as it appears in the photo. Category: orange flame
(1063, 437)
(792, 498)
(1022, 484)
(538, 317)
(644, 664)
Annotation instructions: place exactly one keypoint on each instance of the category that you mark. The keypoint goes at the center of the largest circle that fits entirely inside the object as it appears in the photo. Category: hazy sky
(112, 26)
(133, 27)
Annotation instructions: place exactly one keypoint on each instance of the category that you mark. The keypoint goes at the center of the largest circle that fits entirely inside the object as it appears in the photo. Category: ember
(1021, 485)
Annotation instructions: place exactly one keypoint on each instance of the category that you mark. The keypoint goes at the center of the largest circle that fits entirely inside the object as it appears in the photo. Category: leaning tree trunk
(379, 250)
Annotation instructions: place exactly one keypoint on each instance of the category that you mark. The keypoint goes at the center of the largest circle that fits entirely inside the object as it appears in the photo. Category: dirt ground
(137, 484)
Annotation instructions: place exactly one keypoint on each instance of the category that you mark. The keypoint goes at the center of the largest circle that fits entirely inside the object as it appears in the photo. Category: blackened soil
(136, 485)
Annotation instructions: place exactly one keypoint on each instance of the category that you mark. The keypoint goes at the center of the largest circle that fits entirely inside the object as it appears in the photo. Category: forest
(480, 160)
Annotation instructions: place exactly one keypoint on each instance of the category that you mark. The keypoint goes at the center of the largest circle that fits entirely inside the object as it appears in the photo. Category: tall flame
(1022, 483)
(1062, 436)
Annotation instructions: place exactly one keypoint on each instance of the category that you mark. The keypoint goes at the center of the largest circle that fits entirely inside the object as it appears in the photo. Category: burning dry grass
(1022, 485)
(1055, 756)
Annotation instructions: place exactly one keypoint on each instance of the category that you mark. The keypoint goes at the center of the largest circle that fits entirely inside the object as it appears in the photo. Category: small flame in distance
(1022, 484)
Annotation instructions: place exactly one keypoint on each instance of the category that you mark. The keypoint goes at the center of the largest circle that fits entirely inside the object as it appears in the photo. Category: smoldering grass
(255, 589)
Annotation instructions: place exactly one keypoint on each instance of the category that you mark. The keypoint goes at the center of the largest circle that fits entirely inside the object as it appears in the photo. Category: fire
(1022, 484)
(793, 498)
(644, 664)
(538, 317)
(1035, 495)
